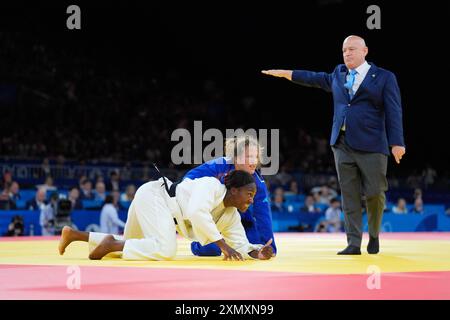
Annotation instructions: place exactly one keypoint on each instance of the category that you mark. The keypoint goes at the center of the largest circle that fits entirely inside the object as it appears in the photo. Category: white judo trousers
(150, 231)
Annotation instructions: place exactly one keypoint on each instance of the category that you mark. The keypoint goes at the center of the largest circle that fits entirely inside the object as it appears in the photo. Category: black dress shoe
(374, 245)
(350, 250)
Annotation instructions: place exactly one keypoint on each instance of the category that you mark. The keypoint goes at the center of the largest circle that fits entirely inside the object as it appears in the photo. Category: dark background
(231, 43)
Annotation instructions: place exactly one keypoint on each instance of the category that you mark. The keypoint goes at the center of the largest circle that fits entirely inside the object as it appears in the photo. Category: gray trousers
(360, 173)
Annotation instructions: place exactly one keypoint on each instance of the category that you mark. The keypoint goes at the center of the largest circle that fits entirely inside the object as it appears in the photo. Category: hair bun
(237, 179)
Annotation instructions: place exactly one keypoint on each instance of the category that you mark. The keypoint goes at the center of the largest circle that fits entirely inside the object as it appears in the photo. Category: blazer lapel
(342, 81)
(370, 76)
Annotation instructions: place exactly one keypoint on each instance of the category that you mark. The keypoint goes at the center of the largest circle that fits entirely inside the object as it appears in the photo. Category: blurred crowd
(62, 104)
(66, 104)
(110, 194)
(77, 110)
(86, 190)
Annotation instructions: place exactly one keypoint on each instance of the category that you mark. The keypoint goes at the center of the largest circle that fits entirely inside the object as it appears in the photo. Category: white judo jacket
(201, 215)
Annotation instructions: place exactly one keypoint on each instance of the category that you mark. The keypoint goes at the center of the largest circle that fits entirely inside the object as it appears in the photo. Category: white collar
(363, 68)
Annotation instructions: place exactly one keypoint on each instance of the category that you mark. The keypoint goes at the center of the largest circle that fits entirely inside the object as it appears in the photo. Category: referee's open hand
(279, 73)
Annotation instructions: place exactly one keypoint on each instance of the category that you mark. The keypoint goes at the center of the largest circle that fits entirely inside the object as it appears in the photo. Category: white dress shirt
(361, 73)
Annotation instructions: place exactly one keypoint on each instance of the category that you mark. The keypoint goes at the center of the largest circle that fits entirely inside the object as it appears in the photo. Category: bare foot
(103, 248)
(66, 239)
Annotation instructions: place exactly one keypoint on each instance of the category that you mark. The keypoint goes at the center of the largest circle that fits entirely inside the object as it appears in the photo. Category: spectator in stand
(48, 184)
(86, 190)
(16, 228)
(309, 206)
(429, 175)
(332, 221)
(278, 200)
(7, 178)
(116, 200)
(6, 203)
(418, 206)
(45, 168)
(114, 181)
(14, 191)
(100, 191)
(39, 201)
(99, 178)
(333, 184)
(47, 216)
(81, 180)
(317, 196)
(109, 218)
(325, 194)
(333, 216)
(58, 171)
(400, 208)
(129, 193)
(74, 197)
(417, 193)
(293, 188)
(125, 172)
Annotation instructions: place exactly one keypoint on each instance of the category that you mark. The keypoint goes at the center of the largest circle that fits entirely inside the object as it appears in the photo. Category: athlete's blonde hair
(235, 146)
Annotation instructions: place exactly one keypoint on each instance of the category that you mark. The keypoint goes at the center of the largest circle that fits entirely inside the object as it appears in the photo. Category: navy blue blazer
(374, 114)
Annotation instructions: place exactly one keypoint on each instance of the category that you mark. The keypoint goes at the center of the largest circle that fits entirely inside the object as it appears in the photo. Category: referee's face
(354, 52)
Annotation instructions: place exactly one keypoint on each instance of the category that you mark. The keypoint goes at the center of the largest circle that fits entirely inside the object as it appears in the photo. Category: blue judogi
(257, 220)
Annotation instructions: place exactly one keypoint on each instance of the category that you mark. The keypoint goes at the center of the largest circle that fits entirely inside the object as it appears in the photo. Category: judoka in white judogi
(200, 214)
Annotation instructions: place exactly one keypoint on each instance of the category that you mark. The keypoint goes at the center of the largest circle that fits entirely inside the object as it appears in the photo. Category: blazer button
(348, 105)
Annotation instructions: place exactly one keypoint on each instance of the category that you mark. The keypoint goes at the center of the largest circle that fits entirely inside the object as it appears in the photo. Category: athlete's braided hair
(237, 179)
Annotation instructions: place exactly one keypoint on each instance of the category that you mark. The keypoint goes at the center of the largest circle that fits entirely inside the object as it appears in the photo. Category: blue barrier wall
(81, 218)
(434, 219)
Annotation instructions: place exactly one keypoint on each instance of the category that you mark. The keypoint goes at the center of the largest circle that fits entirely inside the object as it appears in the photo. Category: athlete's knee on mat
(168, 251)
(159, 251)
(208, 250)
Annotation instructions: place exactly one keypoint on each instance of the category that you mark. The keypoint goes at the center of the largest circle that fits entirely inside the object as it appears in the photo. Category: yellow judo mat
(310, 253)
(418, 256)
